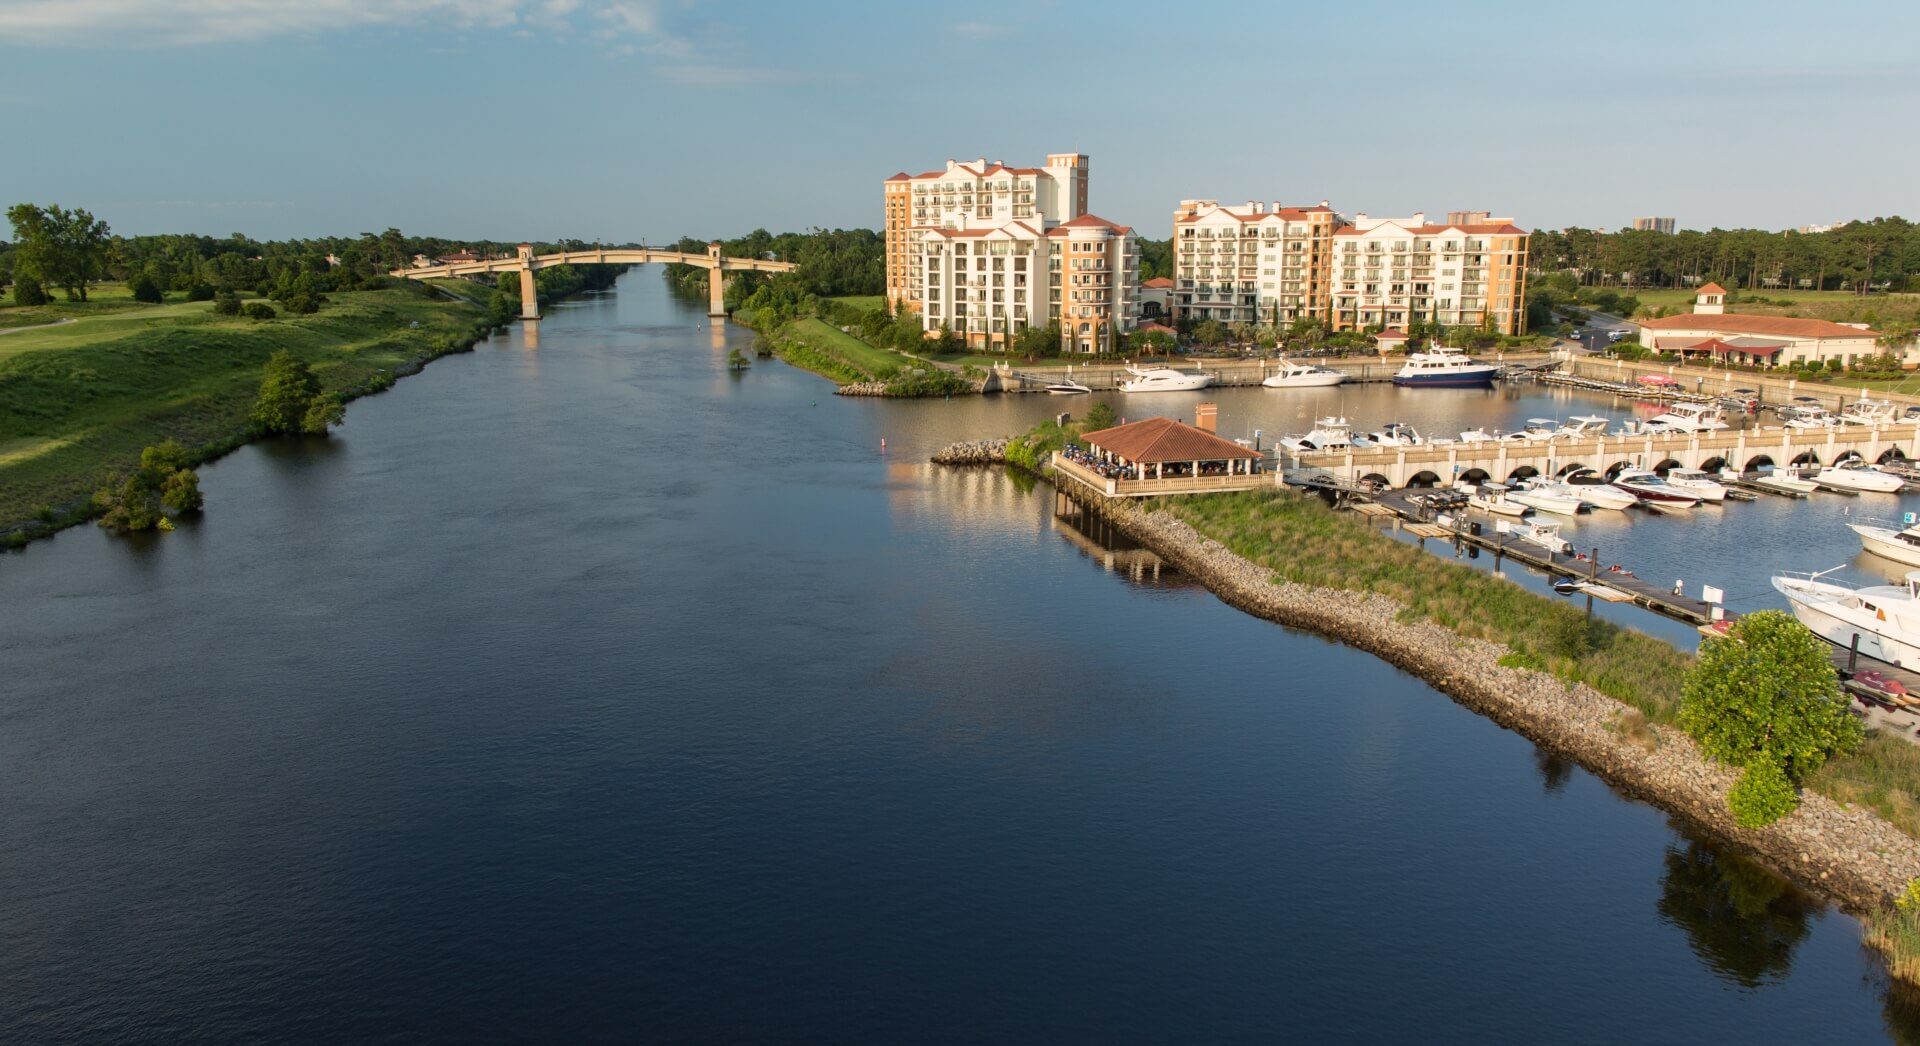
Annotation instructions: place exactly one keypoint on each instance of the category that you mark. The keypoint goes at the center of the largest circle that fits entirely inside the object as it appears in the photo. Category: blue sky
(648, 119)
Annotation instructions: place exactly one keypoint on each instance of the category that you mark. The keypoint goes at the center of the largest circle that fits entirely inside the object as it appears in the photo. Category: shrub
(181, 491)
(1100, 416)
(226, 303)
(1762, 796)
(200, 290)
(301, 303)
(145, 290)
(257, 310)
(27, 291)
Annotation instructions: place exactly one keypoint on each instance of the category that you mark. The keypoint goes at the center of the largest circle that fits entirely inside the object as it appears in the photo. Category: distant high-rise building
(1469, 217)
(1653, 225)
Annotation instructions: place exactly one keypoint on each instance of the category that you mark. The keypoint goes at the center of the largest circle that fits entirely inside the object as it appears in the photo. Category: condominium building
(989, 283)
(1252, 263)
(986, 251)
(1653, 225)
(1395, 271)
(984, 194)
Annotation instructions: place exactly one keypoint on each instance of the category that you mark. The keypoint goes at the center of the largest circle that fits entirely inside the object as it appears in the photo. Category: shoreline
(1849, 856)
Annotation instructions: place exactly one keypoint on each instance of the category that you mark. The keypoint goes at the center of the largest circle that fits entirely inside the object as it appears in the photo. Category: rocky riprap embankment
(862, 388)
(975, 452)
(1850, 855)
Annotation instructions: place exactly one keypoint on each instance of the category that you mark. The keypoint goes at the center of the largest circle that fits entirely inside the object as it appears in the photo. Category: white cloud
(150, 23)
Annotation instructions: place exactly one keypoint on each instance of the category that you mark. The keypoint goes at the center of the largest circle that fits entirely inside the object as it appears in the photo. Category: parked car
(1618, 333)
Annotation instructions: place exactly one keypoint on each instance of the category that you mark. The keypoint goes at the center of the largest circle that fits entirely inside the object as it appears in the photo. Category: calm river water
(595, 693)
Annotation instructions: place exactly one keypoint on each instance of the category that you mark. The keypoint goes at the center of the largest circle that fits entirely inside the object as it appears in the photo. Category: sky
(646, 120)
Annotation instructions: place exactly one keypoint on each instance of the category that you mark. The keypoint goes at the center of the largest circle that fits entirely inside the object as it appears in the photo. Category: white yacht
(1496, 436)
(1557, 498)
(1854, 475)
(1492, 497)
(1445, 368)
(1164, 379)
(1691, 417)
(1900, 544)
(1396, 434)
(1596, 492)
(1786, 480)
(1698, 483)
(1540, 430)
(1809, 418)
(1584, 426)
(1293, 375)
(1328, 434)
(1649, 487)
(1864, 411)
(1885, 617)
(1068, 387)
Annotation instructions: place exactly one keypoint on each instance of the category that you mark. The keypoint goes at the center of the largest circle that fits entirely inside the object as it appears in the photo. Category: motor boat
(1885, 617)
(1478, 435)
(1809, 417)
(1544, 534)
(1649, 487)
(1746, 401)
(1786, 480)
(1302, 376)
(1584, 426)
(1557, 498)
(1540, 430)
(1900, 543)
(1864, 411)
(1690, 417)
(1492, 497)
(1697, 482)
(1396, 434)
(1596, 492)
(1445, 368)
(1068, 387)
(1164, 379)
(1327, 435)
(1856, 476)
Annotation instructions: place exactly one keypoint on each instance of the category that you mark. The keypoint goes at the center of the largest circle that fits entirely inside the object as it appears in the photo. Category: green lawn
(829, 339)
(102, 299)
(863, 301)
(79, 401)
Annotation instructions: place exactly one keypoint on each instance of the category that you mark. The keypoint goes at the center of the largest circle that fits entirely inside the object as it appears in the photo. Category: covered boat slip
(1161, 456)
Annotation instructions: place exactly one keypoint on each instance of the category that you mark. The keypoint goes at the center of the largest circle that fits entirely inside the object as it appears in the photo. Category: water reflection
(1099, 540)
(1555, 770)
(1741, 920)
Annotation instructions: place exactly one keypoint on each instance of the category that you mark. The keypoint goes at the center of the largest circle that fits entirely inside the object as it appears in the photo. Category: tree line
(833, 263)
(1861, 256)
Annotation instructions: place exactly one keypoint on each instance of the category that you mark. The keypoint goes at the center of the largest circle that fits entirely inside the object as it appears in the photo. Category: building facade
(1653, 225)
(1251, 263)
(987, 284)
(1773, 341)
(983, 194)
(1395, 271)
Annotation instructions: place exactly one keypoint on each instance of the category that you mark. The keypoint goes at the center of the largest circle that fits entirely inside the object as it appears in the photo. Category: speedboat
(1445, 368)
(1855, 476)
(1596, 492)
(1901, 545)
(1584, 426)
(1546, 535)
(1293, 375)
(1649, 487)
(1809, 417)
(1540, 430)
(1068, 387)
(1691, 417)
(1396, 434)
(1885, 617)
(1698, 483)
(1492, 497)
(1864, 411)
(1785, 480)
(1496, 436)
(1328, 434)
(1548, 497)
(1164, 379)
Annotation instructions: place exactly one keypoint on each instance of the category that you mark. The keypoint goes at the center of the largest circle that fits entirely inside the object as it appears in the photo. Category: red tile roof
(1091, 221)
(1712, 288)
(1501, 229)
(1392, 334)
(1741, 323)
(1158, 281)
(1164, 439)
(901, 177)
(1151, 327)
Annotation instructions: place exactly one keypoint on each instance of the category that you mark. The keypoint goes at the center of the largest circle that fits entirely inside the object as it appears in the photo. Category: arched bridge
(525, 262)
(1741, 450)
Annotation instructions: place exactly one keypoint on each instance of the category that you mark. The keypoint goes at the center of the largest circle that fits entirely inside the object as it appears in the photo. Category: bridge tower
(716, 283)
(529, 296)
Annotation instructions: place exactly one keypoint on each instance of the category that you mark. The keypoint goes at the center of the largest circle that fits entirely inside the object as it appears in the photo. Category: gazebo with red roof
(1161, 456)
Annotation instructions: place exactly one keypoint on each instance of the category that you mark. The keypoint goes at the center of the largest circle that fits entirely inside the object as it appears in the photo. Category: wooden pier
(1642, 593)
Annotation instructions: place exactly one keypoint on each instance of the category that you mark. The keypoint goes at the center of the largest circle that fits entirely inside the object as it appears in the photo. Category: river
(593, 692)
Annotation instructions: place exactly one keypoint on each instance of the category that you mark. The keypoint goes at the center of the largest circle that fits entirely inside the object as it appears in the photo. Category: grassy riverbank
(78, 401)
(1301, 540)
(811, 343)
